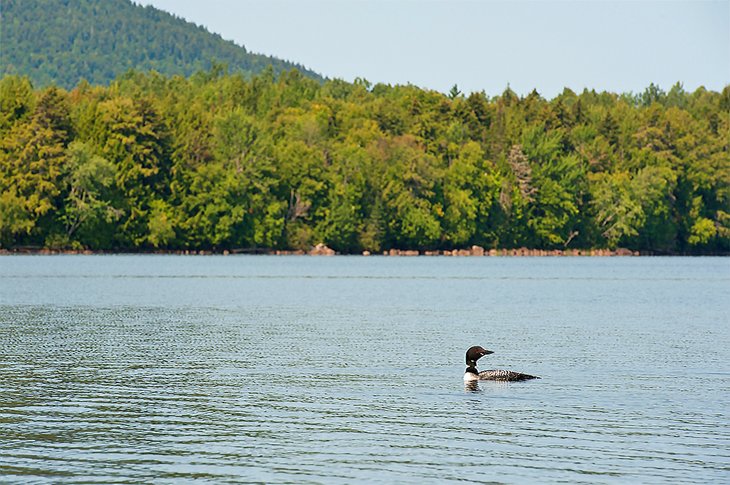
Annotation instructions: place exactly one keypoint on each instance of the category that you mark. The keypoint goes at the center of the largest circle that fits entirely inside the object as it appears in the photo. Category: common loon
(472, 374)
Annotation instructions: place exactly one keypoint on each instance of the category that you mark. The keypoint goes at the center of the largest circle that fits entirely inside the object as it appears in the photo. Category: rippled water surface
(292, 369)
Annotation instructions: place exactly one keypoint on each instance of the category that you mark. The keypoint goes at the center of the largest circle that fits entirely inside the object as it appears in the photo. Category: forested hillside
(63, 41)
(220, 161)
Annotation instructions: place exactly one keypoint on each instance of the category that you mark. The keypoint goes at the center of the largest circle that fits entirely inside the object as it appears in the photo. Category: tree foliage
(218, 161)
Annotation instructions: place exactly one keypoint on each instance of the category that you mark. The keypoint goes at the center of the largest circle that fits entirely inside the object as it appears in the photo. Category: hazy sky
(484, 45)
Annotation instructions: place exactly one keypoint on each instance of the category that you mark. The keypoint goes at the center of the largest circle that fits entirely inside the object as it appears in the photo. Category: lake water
(313, 369)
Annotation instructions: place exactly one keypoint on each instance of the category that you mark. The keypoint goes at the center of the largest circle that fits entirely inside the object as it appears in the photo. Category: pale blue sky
(617, 46)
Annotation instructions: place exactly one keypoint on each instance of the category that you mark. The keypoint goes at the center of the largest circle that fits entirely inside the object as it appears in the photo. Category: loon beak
(487, 352)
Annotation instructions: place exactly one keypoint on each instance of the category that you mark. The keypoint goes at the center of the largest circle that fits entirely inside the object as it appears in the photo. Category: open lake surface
(312, 369)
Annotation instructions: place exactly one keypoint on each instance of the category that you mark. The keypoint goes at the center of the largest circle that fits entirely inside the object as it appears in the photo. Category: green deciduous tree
(87, 205)
(219, 161)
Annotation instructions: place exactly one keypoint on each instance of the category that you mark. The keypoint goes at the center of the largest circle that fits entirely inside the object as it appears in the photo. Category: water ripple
(359, 378)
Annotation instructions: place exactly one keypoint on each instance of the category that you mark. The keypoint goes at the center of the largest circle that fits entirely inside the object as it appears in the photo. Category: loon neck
(471, 370)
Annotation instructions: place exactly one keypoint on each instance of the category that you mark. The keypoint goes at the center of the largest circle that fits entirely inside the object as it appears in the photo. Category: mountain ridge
(62, 42)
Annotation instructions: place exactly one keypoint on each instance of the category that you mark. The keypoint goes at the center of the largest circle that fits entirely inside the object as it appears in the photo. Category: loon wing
(504, 375)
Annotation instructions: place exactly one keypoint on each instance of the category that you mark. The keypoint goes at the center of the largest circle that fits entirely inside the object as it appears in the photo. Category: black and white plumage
(472, 374)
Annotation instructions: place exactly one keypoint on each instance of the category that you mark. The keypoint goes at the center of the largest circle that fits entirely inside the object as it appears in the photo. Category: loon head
(475, 353)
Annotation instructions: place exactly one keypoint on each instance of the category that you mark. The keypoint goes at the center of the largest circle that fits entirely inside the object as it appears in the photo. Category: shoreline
(322, 250)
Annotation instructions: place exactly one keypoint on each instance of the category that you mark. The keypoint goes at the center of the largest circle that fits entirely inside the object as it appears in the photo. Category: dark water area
(128, 369)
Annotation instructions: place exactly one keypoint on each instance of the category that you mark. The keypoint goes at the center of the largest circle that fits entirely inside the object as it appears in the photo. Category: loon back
(504, 375)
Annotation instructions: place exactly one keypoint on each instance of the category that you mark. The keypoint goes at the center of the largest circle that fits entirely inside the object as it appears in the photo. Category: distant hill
(63, 41)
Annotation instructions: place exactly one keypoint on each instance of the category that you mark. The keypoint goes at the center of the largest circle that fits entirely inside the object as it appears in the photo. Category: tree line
(222, 161)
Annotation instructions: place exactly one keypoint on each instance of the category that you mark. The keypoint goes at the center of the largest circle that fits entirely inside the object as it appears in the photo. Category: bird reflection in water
(471, 386)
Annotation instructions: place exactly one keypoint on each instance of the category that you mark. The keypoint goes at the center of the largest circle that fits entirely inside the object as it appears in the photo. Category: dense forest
(62, 42)
(225, 161)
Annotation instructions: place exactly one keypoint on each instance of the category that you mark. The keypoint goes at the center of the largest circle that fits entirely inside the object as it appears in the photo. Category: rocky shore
(480, 251)
(323, 250)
